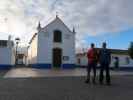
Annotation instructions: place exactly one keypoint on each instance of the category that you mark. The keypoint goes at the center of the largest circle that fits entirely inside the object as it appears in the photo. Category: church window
(57, 36)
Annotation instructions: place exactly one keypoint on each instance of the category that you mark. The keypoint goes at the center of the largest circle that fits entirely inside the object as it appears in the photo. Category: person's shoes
(87, 81)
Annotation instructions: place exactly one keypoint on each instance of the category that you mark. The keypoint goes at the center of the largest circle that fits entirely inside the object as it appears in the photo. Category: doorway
(57, 57)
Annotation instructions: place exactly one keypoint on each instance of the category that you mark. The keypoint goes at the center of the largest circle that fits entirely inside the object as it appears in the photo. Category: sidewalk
(32, 72)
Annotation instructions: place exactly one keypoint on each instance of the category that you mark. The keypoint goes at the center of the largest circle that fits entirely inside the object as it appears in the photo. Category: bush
(130, 50)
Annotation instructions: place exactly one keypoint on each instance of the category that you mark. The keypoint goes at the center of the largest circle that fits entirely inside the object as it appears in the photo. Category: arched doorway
(57, 57)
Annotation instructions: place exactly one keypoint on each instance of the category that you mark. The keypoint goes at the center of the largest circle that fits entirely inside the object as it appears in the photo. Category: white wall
(122, 60)
(44, 47)
(12, 52)
(6, 56)
(83, 61)
(69, 47)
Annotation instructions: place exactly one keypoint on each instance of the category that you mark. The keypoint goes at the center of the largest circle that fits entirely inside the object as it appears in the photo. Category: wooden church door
(57, 58)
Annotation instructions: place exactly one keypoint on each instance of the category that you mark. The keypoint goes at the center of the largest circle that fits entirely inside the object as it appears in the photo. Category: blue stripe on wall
(130, 68)
(43, 66)
(5, 66)
(49, 66)
(68, 66)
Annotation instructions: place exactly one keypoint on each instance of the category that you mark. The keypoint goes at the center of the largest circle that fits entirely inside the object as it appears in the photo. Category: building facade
(7, 54)
(124, 60)
(53, 46)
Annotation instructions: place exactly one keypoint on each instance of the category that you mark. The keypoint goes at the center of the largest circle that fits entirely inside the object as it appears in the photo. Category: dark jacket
(104, 56)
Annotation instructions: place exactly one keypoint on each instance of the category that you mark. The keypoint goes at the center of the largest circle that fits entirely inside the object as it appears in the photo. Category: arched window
(57, 36)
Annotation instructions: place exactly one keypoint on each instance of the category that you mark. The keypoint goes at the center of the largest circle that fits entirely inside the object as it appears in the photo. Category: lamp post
(26, 59)
(17, 40)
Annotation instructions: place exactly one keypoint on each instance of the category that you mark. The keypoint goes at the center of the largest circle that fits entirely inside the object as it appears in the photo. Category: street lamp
(17, 40)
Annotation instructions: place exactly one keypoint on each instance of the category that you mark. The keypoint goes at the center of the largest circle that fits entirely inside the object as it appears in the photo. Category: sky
(119, 40)
(94, 20)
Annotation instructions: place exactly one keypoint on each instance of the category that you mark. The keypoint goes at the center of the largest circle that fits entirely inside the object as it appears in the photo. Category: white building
(52, 46)
(125, 61)
(7, 54)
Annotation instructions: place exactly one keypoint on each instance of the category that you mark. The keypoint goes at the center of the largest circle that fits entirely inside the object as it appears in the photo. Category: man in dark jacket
(104, 59)
(92, 62)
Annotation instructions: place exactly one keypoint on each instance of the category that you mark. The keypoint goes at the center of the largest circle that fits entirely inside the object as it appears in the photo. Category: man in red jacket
(92, 62)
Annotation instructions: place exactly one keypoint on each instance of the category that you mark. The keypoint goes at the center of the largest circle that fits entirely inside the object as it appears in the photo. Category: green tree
(130, 50)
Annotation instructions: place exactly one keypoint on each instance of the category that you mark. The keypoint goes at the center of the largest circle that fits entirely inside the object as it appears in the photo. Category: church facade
(53, 46)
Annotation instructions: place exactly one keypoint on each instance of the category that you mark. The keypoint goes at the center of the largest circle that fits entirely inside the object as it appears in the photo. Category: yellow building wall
(32, 51)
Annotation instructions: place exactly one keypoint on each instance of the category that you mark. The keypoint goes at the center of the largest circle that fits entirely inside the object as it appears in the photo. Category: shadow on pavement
(3, 72)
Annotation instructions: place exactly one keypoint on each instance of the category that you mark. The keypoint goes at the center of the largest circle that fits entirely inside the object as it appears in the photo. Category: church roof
(57, 18)
(32, 38)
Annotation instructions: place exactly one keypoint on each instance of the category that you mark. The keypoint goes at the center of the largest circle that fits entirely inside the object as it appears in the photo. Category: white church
(53, 46)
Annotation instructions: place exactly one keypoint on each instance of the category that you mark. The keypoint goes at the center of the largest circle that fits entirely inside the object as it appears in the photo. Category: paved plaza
(38, 84)
(24, 72)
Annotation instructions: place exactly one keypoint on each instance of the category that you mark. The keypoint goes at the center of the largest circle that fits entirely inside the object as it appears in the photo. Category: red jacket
(91, 55)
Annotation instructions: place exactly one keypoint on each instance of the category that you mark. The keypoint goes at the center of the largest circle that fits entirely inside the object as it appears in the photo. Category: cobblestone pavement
(65, 88)
(32, 72)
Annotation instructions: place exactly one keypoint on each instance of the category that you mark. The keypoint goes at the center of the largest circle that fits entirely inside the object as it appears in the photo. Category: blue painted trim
(68, 66)
(79, 66)
(41, 66)
(130, 68)
(5, 66)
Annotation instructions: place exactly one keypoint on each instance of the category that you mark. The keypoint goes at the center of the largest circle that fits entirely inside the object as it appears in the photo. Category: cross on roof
(56, 14)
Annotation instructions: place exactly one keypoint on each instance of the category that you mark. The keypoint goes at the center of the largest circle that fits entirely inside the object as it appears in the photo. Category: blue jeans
(104, 67)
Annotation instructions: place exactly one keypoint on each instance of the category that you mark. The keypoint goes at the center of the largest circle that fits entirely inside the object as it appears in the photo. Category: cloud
(95, 17)
(20, 17)
(90, 17)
